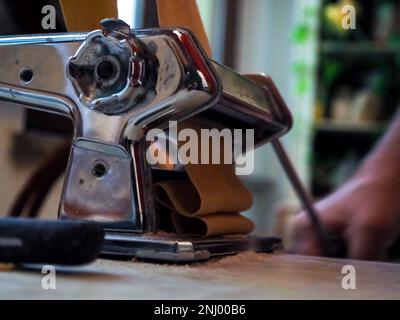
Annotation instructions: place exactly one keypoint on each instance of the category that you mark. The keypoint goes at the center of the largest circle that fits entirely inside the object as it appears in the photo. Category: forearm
(384, 160)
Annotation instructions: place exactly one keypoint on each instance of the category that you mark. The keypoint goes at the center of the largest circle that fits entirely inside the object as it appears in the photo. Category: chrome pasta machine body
(116, 84)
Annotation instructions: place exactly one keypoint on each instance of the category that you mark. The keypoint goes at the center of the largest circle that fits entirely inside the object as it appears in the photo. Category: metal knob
(109, 70)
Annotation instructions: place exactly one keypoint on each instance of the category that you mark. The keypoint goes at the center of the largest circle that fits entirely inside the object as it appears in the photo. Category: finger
(305, 238)
(367, 242)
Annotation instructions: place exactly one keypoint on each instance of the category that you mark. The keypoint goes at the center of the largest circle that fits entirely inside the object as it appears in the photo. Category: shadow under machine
(116, 84)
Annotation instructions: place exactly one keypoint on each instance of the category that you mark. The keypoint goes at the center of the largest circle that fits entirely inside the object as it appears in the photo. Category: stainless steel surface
(184, 85)
(245, 104)
(183, 249)
(113, 71)
(100, 169)
(116, 84)
(239, 87)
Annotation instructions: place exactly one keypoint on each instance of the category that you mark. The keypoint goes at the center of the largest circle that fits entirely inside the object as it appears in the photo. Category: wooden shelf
(349, 127)
(358, 47)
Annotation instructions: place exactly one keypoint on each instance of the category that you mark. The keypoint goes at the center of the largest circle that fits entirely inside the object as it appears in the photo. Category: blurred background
(342, 86)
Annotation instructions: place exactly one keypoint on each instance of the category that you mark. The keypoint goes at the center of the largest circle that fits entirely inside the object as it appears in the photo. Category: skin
(365, 211)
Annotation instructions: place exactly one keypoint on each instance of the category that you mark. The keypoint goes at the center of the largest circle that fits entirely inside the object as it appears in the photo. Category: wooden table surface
(245, 276)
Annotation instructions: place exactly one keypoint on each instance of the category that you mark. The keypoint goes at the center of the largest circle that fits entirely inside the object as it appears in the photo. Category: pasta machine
(116, 84)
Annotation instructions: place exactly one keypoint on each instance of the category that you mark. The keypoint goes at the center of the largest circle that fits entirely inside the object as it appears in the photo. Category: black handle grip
(51, 242)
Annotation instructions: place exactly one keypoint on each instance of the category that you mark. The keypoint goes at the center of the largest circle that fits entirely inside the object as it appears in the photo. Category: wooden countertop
(244, 276)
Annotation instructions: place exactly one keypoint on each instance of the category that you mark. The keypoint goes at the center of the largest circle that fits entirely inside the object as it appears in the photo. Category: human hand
(365, 212)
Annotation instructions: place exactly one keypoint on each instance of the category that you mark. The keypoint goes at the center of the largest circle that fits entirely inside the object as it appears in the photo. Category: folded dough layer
(208, 205)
